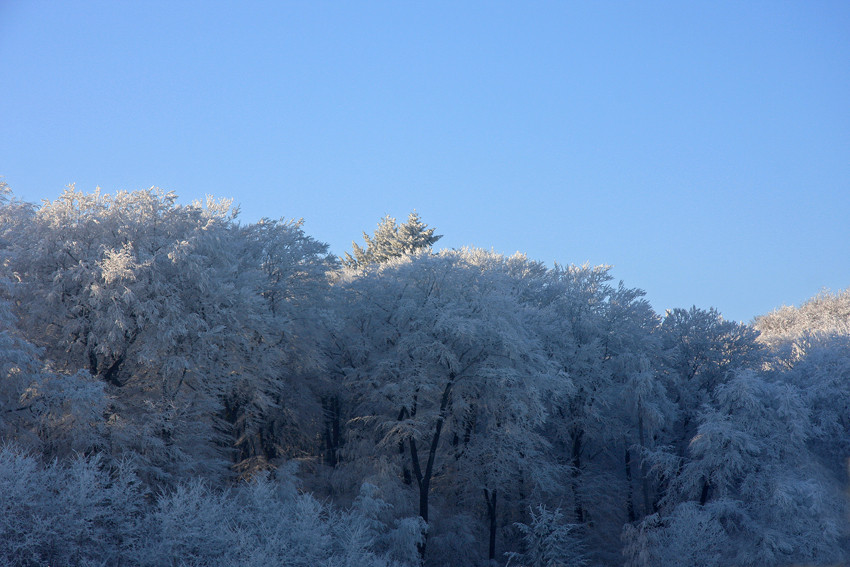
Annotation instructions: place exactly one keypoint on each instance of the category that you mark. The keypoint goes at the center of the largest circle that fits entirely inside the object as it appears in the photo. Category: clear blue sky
(701, 148)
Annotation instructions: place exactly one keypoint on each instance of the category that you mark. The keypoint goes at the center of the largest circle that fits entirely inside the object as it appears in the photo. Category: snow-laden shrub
(263, 522)
(549, 541)
(71, 513)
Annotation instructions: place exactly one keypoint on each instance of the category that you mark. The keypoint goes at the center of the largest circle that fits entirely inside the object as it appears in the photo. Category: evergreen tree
(392, 241)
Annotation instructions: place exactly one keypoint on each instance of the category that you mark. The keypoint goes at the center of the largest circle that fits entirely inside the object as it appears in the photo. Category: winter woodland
(179, 388)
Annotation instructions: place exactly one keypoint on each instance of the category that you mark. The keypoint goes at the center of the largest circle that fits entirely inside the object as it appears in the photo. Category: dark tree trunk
(423, 481)
(630, 505)
(93, 365)
(332, 430)
(576, 461)
(423, 478)
(644, 483)
(703, 497)
(490, 498)
(406, 477)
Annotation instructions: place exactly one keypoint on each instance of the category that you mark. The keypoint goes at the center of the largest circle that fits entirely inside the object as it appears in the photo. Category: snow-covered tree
(701, 351)
(810, 349)
(600, 336)
(445, 364)
(392, 240)
(825, 314)
(163, 368)
(74, 512)
(749, 491)
(548, 541)
(190, 319)
(50, 412)
(701, 348)
(80, 512)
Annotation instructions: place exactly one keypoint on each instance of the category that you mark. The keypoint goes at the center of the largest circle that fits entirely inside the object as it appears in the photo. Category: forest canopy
(177, 387)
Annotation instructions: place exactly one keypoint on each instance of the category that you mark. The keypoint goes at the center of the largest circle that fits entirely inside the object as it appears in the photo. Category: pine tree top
(392, 240)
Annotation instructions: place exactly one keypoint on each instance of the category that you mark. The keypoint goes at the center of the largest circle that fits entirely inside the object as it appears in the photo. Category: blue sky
(701, 148)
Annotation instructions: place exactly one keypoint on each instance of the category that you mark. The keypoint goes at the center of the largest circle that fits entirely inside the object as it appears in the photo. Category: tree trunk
(576, 458)
(332, 430)
(630, 505)
(423, 483)
(644, 483)
(423, 478)
(703, 497)
(490, 498)
(406, 477)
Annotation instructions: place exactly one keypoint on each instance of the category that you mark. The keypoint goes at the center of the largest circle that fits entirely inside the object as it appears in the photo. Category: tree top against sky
(392, 240)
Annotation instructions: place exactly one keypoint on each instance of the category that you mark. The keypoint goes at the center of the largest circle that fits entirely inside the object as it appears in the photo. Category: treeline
(177, 388)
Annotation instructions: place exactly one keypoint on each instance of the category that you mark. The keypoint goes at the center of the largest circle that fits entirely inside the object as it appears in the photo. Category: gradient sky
(701, 148)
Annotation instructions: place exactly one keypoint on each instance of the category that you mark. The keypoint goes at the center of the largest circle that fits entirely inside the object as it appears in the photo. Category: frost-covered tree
(190, 319)
(293, 284)
(548, 541)
(601, 338)
(820, 371)
(49, 412)
(266, 521)
(701, 352)
(392, 240)
(572, 331)
(163, 367)
(741, 484)
(810, 353)
(19, 369)
(66, 513)
(114, 284)
(825, 314)
(81, 512)
(444, 364)
(810, 348)
(701, 348)
(749, 491)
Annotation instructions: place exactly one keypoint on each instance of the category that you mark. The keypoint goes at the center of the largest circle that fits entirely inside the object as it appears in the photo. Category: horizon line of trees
(179, 388)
